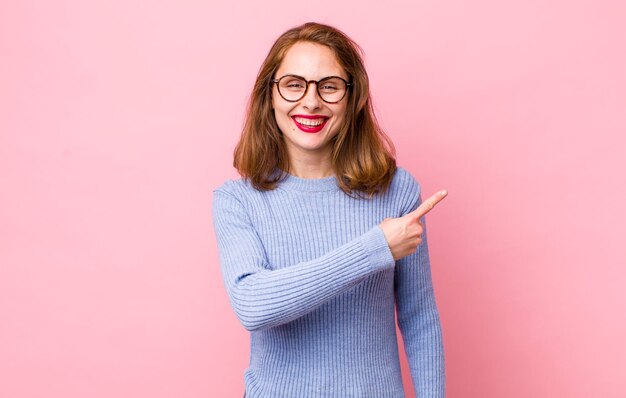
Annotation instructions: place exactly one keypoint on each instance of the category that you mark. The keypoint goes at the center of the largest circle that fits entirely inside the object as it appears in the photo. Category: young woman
(324, 237)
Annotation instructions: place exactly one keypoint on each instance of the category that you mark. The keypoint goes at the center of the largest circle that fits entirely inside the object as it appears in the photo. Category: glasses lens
(332, 89)
(292, 88)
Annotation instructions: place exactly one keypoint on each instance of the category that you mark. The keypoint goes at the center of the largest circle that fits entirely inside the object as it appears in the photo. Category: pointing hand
(404, 234)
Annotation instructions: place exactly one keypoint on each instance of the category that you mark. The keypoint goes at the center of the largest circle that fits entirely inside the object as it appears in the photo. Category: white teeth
(310, 122)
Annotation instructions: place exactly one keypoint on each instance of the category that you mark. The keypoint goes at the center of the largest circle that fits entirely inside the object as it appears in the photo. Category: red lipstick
(315, 127)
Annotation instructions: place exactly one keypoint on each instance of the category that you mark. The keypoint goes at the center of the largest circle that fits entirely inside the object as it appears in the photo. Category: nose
(311, 99)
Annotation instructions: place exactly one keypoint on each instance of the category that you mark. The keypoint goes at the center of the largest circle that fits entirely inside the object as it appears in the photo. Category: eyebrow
(314, 80)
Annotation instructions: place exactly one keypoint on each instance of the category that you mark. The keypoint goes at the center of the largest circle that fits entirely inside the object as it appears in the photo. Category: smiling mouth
(318, 121)
(310, 124)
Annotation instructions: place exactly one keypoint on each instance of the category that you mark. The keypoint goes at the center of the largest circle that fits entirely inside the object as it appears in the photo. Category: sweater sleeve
(263, 297)
(418, 317)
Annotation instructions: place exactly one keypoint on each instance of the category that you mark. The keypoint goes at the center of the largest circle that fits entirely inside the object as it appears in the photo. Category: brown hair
(363, 157)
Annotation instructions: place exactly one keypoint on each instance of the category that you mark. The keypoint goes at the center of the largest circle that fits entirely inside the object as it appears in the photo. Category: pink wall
(117, 119)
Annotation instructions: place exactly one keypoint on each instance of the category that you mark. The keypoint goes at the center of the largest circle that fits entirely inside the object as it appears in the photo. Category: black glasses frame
(317, 87)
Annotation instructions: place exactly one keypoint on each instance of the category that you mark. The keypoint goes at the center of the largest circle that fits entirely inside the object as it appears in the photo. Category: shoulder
(405, 189)
(233, 192)
(404, 177)
(230, 201)
(404, 182)
(234, 187)
(242, 194)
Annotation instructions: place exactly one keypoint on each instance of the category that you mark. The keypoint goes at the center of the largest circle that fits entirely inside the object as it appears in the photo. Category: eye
(332, 85)
(293, 84)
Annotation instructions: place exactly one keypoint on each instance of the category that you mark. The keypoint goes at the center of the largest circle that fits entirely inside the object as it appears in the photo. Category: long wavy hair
(363, 156)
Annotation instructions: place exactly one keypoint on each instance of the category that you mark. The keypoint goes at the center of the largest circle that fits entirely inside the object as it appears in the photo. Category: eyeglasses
(293, 88)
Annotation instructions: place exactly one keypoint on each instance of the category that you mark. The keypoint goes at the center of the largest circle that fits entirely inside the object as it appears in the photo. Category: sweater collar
(291, 182)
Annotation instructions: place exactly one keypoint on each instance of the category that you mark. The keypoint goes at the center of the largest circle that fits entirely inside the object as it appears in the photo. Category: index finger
(428, 204)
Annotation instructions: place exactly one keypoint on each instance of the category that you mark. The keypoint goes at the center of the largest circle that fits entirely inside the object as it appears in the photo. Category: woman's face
(313, 62)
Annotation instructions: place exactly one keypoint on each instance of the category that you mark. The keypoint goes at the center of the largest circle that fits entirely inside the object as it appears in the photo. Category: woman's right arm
(263, 297)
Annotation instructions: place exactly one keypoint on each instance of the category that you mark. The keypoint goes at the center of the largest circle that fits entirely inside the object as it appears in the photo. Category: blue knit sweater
(309, 273)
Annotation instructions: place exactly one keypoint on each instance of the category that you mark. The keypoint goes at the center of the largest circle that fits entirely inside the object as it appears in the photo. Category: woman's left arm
(418, 319)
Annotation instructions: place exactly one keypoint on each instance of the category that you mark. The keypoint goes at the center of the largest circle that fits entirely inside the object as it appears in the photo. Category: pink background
(118, 118)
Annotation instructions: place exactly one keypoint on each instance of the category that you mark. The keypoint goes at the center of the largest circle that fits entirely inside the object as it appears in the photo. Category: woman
(321, 239)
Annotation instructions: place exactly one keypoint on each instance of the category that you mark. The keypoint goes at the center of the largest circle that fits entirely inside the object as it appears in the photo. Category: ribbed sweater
(309, 273)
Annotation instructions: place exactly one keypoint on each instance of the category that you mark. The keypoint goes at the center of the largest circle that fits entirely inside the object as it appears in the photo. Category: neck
(312, 168)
